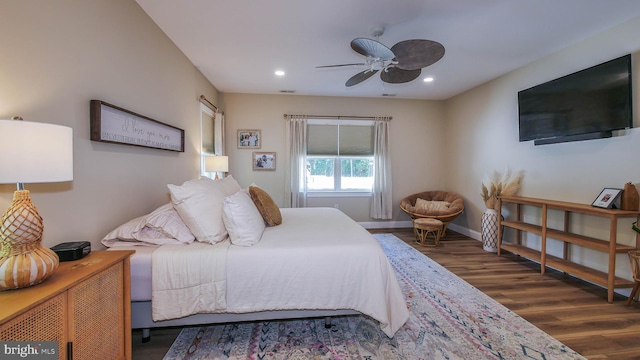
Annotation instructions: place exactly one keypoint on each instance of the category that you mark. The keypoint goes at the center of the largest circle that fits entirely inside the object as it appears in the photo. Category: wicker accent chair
(456, 206)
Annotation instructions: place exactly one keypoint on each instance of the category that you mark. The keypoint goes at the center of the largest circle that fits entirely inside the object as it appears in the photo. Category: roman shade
(340, 140)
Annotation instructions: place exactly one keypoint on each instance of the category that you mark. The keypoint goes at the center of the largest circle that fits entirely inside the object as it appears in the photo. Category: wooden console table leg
(543, 246)
(611, 276)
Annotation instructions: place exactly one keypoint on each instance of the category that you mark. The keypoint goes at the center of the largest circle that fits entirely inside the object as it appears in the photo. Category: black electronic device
(588, 104)
(69, 251)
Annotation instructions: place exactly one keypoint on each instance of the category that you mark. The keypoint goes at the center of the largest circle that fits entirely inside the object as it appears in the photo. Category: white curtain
(381, 207)
(218, 133)
(297, 178)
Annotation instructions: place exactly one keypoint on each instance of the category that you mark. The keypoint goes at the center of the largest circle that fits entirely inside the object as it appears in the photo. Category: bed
(316, 262)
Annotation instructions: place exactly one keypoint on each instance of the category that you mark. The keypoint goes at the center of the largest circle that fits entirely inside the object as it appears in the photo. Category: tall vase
(630, 198)
(490, 230)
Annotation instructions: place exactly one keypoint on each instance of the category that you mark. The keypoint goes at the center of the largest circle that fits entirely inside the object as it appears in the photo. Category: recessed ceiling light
(279, 73)
(428, 79)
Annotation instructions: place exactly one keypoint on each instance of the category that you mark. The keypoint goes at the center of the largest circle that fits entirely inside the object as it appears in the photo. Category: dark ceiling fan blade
(360, 77)
(394, 75)
(416, 54)
(371, 48)
(330, 66)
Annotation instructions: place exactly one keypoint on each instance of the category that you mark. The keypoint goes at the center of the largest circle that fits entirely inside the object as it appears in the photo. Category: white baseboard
(476, 235)
(408, 224)
(386, 224)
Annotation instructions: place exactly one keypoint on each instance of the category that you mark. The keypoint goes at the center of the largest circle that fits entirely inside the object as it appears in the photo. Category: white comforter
(188, 279)
(318, 258)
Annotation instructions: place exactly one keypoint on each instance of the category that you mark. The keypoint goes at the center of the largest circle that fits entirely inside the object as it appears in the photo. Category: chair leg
(633, 293)
(444, 228)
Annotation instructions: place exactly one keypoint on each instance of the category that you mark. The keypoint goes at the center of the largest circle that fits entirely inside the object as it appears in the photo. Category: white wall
(417, 146)
(57, 56)
(482, 127)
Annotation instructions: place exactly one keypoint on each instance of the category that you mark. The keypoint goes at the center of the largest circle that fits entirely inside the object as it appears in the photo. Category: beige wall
(417, 146)
(482, 130)
(57, 56)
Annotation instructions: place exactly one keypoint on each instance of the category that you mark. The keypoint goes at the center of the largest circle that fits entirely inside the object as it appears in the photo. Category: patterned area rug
(450, 319)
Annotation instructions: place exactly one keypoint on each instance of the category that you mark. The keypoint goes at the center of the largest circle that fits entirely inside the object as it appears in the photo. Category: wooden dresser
(84, 306)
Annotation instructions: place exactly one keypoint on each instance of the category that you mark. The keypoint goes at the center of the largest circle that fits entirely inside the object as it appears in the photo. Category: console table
(85, 307)
(610, 245)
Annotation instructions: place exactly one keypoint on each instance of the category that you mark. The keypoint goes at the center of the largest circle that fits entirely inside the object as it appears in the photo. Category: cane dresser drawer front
(84, 307)
(40, 322)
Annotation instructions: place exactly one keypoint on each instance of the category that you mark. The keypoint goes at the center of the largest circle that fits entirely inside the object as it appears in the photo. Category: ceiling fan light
(428, 79)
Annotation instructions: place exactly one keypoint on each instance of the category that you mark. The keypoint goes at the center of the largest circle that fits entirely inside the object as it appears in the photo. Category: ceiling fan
(400, 64)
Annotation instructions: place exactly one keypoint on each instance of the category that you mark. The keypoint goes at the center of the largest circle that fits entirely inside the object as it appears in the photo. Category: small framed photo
(608, 198)
(249, 139)
(264, 160)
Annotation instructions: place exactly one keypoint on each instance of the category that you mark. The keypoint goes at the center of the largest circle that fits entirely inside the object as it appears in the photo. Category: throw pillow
(166, 220)
(266, 206)
(242, 219)
(431, 206)
(199, 204)
(229, 185)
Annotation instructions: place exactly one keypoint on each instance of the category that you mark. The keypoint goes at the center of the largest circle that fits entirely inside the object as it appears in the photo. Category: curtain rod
(208, 103)
(341, 117)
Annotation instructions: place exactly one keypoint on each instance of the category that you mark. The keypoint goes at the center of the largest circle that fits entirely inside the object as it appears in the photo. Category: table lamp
(30, 152)
(216, 163)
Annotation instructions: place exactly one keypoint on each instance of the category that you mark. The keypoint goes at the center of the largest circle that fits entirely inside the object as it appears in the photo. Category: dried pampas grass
(497, 184)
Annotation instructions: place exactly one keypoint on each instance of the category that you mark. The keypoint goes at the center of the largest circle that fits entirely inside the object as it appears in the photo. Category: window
(339, 156)
(207, 119)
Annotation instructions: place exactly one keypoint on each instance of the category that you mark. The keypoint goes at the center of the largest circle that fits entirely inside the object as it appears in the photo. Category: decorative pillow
(268, 208)
(199, 204)
(430, 206)
(166, 220)
(242, 219)
(160, 227)
(229, 185)
(125, 231)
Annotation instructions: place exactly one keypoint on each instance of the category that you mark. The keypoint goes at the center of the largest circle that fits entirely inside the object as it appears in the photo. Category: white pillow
(242, 219)
(166, 220)
(199, 203)
(229, 185)
(125, 231)
(161, 226)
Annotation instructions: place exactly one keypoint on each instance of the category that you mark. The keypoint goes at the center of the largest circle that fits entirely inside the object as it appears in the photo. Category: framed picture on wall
(249, 139)
(264, 160)
(608, 198)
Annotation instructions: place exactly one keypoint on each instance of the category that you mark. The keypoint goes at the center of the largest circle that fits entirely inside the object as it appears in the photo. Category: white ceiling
(238, 44)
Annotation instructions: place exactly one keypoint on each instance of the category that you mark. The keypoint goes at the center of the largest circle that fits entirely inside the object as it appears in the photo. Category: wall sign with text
(113, 124)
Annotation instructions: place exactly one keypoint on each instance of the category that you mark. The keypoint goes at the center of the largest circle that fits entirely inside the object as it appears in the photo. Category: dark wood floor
(573, 311)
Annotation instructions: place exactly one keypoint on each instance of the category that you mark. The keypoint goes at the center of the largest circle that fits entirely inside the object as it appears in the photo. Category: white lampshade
(32, 152)
(216, 163)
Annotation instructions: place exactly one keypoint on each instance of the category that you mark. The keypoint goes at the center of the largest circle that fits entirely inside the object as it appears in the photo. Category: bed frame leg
(327, 322)
(146, 335)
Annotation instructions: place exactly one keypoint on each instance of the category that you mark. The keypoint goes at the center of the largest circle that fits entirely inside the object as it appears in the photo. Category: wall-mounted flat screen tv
(588, 104)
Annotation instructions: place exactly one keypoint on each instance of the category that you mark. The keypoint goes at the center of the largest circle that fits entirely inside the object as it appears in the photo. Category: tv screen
(587, 104)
